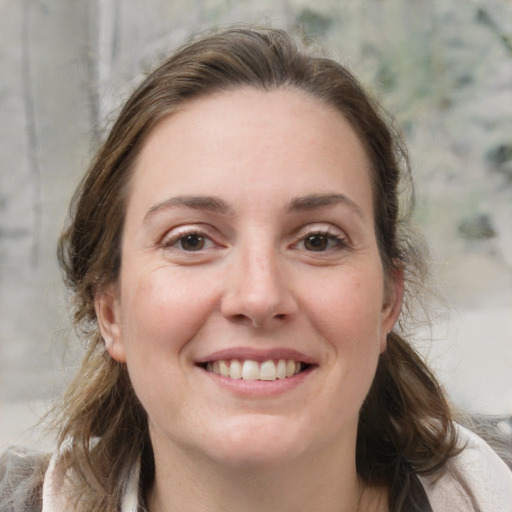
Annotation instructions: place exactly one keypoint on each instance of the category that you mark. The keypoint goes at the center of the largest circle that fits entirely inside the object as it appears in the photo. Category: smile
(249, 369)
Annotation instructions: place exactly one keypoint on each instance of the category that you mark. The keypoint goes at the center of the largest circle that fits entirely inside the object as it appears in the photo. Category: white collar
(54, 495)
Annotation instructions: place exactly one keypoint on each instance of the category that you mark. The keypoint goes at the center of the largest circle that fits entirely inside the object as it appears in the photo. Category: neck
(192, 483)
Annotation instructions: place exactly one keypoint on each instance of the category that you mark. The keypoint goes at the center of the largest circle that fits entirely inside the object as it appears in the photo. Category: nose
(257, 292)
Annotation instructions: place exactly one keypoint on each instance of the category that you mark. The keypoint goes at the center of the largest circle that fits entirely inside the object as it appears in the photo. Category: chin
(260, 442)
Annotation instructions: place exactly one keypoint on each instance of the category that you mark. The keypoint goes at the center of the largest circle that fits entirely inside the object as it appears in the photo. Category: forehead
(265, 141)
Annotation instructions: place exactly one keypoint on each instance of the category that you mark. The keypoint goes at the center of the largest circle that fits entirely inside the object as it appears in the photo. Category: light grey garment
(23, 474)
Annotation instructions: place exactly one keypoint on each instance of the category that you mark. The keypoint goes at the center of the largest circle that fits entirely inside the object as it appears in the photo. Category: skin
(257, 285)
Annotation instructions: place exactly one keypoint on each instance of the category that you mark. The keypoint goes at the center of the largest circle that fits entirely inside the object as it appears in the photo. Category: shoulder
(21, 479)
(478, 472)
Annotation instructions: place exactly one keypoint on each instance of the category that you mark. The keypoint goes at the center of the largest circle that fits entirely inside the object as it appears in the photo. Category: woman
(239, 262)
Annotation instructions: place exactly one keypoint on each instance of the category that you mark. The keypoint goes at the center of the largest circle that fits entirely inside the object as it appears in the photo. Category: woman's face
(249, 249)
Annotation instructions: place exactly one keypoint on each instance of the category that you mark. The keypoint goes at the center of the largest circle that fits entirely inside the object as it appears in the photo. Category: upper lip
(257, 354)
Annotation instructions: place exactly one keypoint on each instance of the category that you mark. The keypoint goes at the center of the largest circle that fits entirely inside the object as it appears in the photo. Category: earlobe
(107, 313)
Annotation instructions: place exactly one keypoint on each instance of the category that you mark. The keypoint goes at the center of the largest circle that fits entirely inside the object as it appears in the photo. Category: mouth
(249, 369)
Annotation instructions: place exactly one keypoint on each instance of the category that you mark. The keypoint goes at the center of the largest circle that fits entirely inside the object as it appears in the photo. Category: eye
(321, 242)
(188, 241)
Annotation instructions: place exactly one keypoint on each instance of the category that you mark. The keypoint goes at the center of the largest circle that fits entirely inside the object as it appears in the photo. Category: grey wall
(443, 67)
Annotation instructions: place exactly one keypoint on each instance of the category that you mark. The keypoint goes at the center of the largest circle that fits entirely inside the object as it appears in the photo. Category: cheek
(346, 311)
(164, 310)
(347, 307)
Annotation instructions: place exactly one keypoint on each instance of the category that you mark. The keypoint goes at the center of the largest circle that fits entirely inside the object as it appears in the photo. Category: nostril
(241, 318)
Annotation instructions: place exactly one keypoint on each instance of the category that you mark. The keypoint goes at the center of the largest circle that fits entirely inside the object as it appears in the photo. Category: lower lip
(260, 388)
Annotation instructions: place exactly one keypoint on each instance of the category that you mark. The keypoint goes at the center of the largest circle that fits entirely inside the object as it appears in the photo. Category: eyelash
(339, 241)
(171, 242)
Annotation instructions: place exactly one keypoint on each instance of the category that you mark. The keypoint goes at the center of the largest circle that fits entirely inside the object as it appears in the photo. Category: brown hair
(405, 423)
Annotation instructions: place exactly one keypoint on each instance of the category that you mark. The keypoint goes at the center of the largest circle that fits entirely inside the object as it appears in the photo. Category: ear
(392, 306)
(107, 308)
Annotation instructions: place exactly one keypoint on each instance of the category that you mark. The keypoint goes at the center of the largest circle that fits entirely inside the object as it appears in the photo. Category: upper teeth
(252, 370)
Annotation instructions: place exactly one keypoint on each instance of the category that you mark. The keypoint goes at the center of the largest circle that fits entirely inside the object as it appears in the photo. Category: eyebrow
(209, 203)
(316, 201)
(309, 202)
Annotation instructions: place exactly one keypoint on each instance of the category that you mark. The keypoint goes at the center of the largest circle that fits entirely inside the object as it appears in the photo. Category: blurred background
(442, 67)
